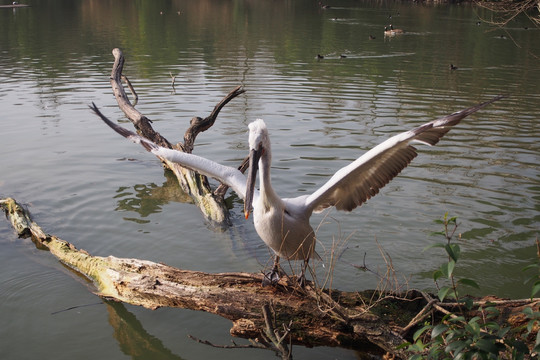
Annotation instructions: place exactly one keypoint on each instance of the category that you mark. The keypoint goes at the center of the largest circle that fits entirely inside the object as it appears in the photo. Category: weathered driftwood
(211, 204)
(270, 315)
(313, 317)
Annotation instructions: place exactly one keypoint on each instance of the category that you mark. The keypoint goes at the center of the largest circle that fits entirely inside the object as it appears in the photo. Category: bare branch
(198, 124)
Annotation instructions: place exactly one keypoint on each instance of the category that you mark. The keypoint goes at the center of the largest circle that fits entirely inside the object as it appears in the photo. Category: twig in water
(75, 307)
(173, 79)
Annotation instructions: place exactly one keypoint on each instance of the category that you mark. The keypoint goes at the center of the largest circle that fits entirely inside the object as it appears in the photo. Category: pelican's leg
(273, 276)
(302, 277)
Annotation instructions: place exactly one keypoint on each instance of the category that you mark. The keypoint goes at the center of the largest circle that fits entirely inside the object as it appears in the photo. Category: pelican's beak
(254, 156)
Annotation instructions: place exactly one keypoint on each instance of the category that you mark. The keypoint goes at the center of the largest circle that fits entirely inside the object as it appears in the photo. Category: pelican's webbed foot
(272, 277)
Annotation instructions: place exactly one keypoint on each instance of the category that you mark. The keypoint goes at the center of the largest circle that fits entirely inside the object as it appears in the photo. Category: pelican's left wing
(227, 175)
(354, 184)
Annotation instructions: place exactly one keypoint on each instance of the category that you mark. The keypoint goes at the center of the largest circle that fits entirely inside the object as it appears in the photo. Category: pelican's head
(258, 145)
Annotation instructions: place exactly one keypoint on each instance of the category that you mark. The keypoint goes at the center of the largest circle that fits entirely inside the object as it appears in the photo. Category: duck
(390, 31)
(453, 67)
(397, 31)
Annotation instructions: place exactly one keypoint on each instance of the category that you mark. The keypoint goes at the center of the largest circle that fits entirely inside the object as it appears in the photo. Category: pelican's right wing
(227, 175)
(354, 184)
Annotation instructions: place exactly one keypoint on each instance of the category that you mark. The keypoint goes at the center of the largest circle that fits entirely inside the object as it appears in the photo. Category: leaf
(448, 268)
(469, 303)
(531, 266)
(443, 292)
(451, 266)
(452, 220)
(535, 288)
(469, 282)
(528, 311)
(530, 326)
(420, 331)
(438, 330)
(437, 274)
(472, 326)
(488, 346)
(457, 319)
(492, 311)
(453, 250)
(503, 331)
(455, 346)
(403, 345)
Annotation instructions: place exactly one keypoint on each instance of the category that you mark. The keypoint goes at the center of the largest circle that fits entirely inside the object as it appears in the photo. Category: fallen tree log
(313, 317)
(308, 316)
(211, 203)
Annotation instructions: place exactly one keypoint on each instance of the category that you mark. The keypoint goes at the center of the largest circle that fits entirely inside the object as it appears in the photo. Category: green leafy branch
(476, 333)
(446, 270)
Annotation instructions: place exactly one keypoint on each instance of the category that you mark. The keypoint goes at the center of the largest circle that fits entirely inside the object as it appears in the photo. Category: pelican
(283, 223)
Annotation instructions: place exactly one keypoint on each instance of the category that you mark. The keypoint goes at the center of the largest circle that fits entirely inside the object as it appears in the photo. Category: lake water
(85, 184)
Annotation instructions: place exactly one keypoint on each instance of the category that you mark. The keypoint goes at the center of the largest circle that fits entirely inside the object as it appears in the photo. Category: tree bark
(211, 204)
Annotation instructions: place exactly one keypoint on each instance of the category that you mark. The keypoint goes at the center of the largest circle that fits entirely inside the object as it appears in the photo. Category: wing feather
(354, 184)
(227, 175)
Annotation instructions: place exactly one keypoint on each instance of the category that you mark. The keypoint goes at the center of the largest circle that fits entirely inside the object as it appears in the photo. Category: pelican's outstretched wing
(354, 184)
(227, 175)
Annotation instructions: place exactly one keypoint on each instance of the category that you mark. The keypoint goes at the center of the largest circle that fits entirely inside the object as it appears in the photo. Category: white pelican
(283, 224)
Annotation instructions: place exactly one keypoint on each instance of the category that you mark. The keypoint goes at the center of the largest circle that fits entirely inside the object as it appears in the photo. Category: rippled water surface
(85, 184)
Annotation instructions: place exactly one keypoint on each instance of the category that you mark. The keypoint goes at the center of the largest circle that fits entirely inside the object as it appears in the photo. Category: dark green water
(87, 185)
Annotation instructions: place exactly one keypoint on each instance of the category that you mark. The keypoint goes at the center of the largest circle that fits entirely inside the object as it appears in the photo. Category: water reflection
(147, 199)
(132, 338)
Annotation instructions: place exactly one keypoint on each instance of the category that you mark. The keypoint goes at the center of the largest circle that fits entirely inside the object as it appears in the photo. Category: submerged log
(308, 316)
(211, 204)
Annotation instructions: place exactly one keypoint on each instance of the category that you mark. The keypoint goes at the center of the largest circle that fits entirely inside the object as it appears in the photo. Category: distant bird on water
(283, 223)
(453, 67)
(389, 30)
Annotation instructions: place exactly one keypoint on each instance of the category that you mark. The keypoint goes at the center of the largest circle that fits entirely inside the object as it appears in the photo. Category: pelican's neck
(267, 193)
